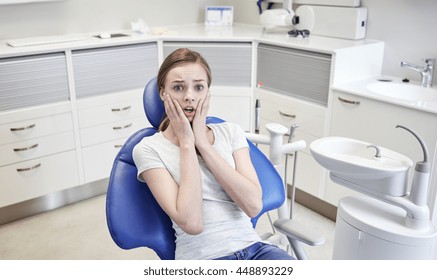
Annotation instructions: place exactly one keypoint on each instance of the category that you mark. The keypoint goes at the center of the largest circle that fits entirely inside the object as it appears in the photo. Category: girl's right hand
(178, 121)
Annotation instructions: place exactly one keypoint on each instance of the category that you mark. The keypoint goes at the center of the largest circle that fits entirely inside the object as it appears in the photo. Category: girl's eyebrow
(183, 81)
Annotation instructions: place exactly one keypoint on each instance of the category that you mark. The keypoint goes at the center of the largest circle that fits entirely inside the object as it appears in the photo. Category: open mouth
(189, 109)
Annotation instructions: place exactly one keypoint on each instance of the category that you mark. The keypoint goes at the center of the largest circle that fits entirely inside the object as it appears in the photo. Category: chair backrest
(134, 217)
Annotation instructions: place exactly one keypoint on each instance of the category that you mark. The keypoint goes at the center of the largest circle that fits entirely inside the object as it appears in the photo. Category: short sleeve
(145, 157)
(239, 138)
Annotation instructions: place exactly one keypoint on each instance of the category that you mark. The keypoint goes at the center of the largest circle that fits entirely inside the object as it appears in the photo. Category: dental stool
(135, 219)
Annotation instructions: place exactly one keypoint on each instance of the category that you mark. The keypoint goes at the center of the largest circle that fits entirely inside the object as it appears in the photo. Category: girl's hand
(199, 121)
(178, 120)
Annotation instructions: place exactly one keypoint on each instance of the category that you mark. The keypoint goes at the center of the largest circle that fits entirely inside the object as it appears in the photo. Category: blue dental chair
(134, 217)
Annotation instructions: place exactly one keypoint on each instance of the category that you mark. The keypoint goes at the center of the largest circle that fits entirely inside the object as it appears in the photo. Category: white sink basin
(403, 91)
(352, 164)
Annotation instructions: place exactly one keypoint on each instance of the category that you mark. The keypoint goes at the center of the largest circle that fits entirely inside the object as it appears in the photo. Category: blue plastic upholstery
(134, 217)
(151, 96)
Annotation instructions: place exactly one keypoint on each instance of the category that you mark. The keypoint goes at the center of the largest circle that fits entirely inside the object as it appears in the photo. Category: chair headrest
(153, 105)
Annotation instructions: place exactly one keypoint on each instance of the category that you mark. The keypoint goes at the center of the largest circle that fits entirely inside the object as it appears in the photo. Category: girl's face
(187, 84)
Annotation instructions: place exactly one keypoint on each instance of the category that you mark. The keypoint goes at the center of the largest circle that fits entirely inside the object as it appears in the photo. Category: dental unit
(397, 224)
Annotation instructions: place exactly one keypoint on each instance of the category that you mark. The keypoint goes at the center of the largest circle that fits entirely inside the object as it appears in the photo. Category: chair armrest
(297, 231)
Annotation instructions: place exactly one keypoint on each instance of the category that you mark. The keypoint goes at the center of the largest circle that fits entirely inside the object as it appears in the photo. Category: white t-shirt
(226, 227)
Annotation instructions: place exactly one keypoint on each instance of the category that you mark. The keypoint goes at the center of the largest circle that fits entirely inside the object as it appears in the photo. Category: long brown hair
(177, 58)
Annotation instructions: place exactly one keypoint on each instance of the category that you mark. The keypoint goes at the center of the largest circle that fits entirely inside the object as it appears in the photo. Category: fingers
(172, 108)
(202, 108)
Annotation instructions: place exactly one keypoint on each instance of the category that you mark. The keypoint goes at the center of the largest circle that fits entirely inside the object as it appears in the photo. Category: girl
(201, 174)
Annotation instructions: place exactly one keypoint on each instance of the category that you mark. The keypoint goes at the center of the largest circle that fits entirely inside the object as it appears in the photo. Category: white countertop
(359, 88)
(193, 32)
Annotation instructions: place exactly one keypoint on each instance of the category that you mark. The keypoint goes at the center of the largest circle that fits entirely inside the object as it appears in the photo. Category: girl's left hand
(199, 121)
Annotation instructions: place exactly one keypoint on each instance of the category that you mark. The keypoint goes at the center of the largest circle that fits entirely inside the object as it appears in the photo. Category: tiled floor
(79, 232)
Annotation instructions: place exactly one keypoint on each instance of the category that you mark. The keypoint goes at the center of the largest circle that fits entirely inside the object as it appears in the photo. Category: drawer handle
(25, 148)
(28, 168)
(23, 128)
(286, 115)
(349, 101)
(121, 109)
(122, 127)
(118, 146)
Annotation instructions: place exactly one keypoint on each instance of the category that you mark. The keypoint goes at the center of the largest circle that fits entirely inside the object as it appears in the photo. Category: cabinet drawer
(33, 128)
(112, 131)
(98, 159)
(38, 147)
(38, 177)
(287, 111)
(114, 111)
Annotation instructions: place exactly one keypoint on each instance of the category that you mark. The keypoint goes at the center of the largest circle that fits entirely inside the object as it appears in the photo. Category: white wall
(408, 27)
(76, 16)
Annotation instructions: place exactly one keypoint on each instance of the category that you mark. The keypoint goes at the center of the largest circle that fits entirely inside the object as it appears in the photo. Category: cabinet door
(112, 69)
(293, 72)
(230, 63)
(33, 80)
(375, 122)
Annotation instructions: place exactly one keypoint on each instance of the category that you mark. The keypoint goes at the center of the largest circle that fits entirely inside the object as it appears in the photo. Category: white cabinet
(105, 122)
(65, 115)
(38, 152)
(38, 177)
(109, 84)
(294, 89)
(374, 121)
(37, 139)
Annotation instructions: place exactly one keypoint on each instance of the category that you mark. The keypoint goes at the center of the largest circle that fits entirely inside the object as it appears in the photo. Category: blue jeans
(259, 251)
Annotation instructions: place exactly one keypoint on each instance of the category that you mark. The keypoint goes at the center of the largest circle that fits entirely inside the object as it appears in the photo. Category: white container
(338, 22)
(369, 229)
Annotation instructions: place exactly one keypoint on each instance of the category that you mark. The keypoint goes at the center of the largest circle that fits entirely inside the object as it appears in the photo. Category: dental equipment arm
(293, 230)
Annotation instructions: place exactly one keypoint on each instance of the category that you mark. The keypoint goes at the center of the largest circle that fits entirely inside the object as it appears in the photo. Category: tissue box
(339, 22)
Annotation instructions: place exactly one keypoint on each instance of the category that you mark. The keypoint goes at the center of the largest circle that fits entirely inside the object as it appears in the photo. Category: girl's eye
(178, 88)
(199, 87)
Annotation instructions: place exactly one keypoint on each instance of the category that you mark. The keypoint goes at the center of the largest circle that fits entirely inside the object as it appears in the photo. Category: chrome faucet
(426, 71)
